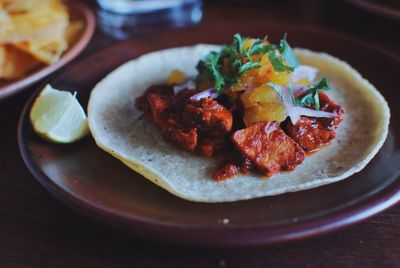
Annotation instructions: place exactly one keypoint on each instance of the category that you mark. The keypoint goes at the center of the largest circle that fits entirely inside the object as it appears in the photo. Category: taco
(251, 119)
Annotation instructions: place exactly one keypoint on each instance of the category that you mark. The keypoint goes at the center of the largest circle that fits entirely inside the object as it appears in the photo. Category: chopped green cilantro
(240, 59)
(294, 99)
(218, 78)
(238, 42)
(248, 66)
(288, 54)
(277, 62)
(311, 98)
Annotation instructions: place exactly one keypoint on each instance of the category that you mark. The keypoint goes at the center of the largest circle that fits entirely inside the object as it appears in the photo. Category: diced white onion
(312, 113)
(208, 93)
(298, 90)
(270, 127)
(294, 112)
(188, 85)
(304, 72)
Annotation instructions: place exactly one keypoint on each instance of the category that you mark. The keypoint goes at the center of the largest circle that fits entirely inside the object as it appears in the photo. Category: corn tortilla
(121, 130)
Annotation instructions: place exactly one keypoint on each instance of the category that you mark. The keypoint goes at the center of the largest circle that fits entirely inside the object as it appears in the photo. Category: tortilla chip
(15, 63)
(73, 32)
(121, 130)
(46, 50)
(37, 22)
(38, 28)
(19, 6)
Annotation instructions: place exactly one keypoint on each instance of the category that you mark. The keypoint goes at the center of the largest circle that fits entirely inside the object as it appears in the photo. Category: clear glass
(142, 6)
(125, 18)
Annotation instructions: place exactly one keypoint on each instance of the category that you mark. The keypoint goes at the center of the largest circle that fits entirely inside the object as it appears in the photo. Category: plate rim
(223, 234)
(384, 9)
(90, 25)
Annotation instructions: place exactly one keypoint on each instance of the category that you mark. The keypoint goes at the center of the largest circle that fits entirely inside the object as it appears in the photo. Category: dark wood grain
(38, 231)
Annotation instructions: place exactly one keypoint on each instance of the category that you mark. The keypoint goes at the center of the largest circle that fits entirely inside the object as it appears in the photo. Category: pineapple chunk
(262, 104)
(261, 95)
(257, 77)
(247, 43)
(176, 77)
(304, 82)
(280, 78)
(265, 112)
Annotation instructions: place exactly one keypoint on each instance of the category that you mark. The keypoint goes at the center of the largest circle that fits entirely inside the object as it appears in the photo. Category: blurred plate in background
(77, 12)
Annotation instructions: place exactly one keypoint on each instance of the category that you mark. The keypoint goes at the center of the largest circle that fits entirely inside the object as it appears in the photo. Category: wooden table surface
(38, 231)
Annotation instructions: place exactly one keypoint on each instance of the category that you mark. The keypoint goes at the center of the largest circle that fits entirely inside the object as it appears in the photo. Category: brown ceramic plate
(96, 184)
(77, 11)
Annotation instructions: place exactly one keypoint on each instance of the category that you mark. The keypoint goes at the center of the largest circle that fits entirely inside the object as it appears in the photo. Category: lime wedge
(57, 116)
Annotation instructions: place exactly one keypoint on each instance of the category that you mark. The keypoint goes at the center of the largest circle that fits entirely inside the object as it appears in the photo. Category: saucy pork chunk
(203, 126)
(209, 117)
(213, 122)
(142, 103)
(311, 132)
(268, 148)
(168, 121)
(240, 164)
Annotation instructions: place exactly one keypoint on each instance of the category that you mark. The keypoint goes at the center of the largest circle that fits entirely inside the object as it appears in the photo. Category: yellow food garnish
(263, 75)
(253, 70)
(264, 112)
(261, 104)
(263, 94)
(247, 43)
(304, 82)
(176, 77)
